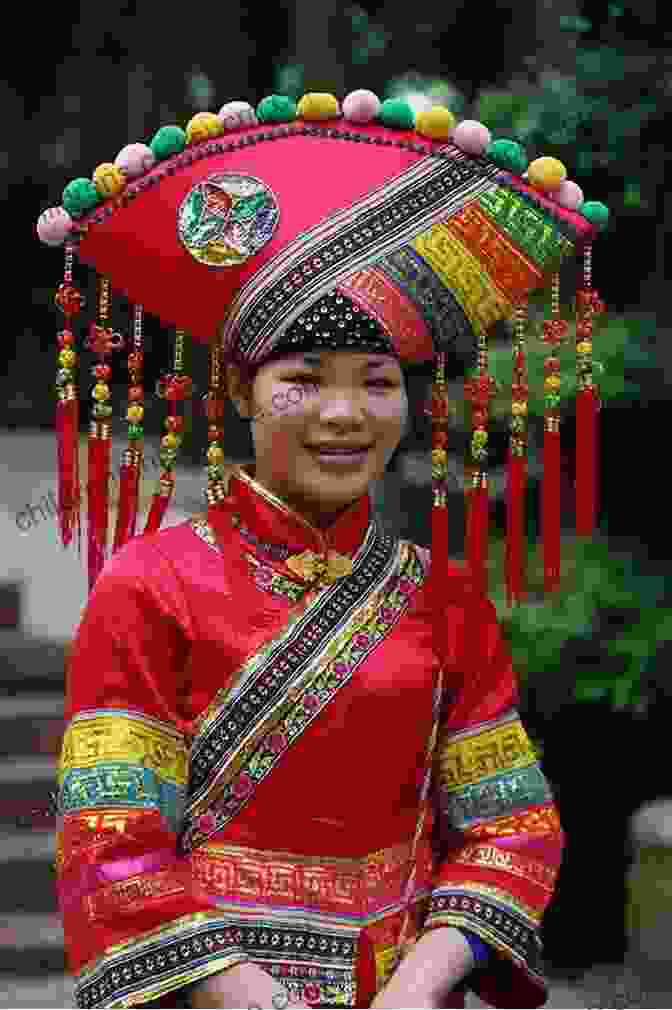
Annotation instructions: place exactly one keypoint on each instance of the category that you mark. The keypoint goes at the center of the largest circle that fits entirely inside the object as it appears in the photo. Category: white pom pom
(234, 115)
(53, 226)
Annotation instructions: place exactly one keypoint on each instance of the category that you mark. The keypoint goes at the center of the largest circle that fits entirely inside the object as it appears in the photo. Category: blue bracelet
(479, 948)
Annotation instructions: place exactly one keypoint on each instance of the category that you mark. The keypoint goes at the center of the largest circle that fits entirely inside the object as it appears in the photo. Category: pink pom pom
(135, 160)
(471, 137)
(568, 195)
(361, 106)
(53, 226)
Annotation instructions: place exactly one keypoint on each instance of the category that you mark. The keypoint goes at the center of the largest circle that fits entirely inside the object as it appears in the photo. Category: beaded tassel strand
(214, 409)
(555, 331)
(588, 304)
(439, 409)
(70, 301)
(479, 391)
(517, 467)
(131, 467)
(102, 341)
(174, 387)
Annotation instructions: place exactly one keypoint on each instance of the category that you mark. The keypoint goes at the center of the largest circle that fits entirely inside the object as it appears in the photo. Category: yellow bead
(553, 382)
(439, 456)
(215, 454)
(170, 441)
(317, 105)
(435, 123)
(546, 174)
(67, 358)
(518, 409)
(203, 126)
(584, 347)
(101, 392)
(109, 180)
(135, 413)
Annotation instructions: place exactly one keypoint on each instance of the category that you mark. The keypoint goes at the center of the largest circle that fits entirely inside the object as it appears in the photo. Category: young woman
(293, 766)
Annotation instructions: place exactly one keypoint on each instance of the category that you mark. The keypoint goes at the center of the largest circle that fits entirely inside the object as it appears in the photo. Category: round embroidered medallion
(227, 218)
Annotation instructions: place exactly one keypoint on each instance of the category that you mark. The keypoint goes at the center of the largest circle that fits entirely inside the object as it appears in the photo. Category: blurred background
(589, 83)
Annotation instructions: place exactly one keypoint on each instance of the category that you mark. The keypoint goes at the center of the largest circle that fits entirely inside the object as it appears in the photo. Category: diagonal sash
(285, 686)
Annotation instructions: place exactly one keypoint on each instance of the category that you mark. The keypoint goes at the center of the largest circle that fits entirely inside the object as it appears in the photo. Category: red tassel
(477, 537)
(551, 511)
(98, 504)
(127, 513)
(515, 528)
(69, 490)
(587, 407)
(160, 503)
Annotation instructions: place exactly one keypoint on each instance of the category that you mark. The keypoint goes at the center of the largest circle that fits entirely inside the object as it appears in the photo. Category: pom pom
(397, 113)
(317, 105)
(135, 160)
(276, 109)
(568, 195)
(109, 180)
(597, 213)
(234, 115)
(361, 106)
(167, 141)
(435, 123)
(508, 154)
(203, 126)
(80, 196)
(472, 137)
(546, 174)
(53, 226)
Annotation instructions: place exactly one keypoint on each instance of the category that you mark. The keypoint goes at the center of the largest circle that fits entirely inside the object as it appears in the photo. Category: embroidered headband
(363, 226)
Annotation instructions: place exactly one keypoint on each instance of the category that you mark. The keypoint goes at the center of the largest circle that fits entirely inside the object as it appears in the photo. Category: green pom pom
(276, 109)
(595, 212)
(397, 113)
(508, 154)
(79, 196)
(168, 141)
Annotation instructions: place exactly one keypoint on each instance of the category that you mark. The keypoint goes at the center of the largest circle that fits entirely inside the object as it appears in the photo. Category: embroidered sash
(283, 688)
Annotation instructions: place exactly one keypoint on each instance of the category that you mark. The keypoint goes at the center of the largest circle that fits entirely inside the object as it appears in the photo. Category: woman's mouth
(340, 458)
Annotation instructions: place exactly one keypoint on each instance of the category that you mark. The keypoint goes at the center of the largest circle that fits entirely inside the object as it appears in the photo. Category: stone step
(26, 788)
(31, 724)
(31, 946)
(30, 665)
(27, 878)
(53, 992)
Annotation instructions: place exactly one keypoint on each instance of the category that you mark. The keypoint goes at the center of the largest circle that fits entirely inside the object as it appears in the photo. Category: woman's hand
(438, 961)
(244, 985)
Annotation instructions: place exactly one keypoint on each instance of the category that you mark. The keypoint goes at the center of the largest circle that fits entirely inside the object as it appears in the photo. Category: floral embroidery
(272, 582)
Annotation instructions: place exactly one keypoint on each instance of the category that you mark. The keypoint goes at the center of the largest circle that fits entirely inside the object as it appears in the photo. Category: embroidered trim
(276, 552)
(542, 820)
(468, 758)
(348, 240)
(127, 897)
(492, 857)
(239, 741)
(494, 797)
(120, 785)
(273, 582)
(204, 530)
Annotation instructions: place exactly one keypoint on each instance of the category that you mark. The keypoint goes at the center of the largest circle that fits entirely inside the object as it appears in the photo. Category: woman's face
(322, 399)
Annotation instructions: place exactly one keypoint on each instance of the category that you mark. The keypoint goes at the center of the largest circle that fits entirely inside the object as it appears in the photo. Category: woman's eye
(311, 380)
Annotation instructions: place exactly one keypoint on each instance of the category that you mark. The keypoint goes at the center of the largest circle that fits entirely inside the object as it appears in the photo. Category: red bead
(102, 371)
(552, 365)
(135, 360)
(69, 300)
(65, 339)
(479, 418)
(213, 406)
(135, 393)
(520, 390)
(174, 423)
(584, 330)
(214, 433)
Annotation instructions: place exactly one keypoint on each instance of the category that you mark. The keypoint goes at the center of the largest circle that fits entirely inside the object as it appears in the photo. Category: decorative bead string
(517, 475)
(588, 304)
(71, 302)
(214, 409)
(174, 387)
(135, 412)
(102, 343)
(440, 410)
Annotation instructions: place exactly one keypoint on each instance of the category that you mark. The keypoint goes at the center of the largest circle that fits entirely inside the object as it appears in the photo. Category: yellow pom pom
(135, 413)
(109, 180)
(584, 347)
(317, 105)
(435, 123)
(553, 382)
(203, 126)
(546, 174)
(67, 358)
(101, 392)
(215, 454)
(170, 441)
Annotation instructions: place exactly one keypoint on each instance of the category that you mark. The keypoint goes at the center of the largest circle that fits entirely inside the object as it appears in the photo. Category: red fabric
(551, 509)
(515, 528)
(587, 407)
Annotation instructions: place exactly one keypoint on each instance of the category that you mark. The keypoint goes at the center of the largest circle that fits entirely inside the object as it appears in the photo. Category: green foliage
(596, 581)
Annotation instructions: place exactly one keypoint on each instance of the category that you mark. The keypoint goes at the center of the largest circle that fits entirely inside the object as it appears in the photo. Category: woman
(289, 770)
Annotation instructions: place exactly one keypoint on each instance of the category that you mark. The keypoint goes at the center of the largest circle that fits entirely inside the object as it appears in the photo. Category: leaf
(192, 212)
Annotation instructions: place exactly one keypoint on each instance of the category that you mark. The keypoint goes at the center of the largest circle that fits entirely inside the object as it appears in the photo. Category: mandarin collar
(273, 521)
